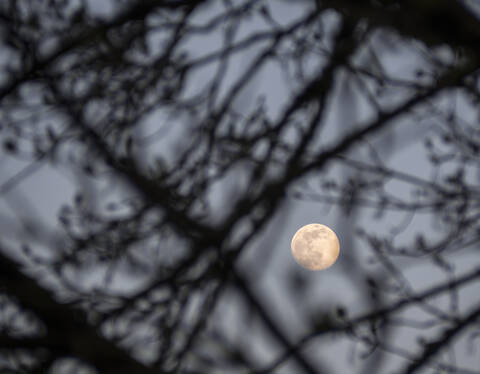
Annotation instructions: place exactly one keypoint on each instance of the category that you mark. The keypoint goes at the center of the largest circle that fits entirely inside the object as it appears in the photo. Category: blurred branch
(158, 222)
(429, 21)
(137, 11)
(272, 326)
(67, 327)
(383, 313)
(433, 347)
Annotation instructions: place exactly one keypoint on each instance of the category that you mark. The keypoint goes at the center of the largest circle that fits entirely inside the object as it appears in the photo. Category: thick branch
(432, 22)
(274, 329)
(67, 327)
(135, 12)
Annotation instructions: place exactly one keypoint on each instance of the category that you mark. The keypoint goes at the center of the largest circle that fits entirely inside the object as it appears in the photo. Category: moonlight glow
(315, 246)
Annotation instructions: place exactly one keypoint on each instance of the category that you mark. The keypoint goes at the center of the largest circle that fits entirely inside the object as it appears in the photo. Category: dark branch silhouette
(185, 133)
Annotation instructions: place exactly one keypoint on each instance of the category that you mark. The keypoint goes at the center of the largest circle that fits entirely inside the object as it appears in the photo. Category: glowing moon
(315, 246)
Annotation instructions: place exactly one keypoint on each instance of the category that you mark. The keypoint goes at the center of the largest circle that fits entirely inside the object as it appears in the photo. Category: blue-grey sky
(49, 188)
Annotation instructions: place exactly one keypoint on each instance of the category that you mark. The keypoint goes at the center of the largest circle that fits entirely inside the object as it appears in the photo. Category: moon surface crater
(315, 246)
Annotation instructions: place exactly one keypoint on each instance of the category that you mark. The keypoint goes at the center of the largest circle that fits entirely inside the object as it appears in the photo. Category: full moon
(315, 246)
